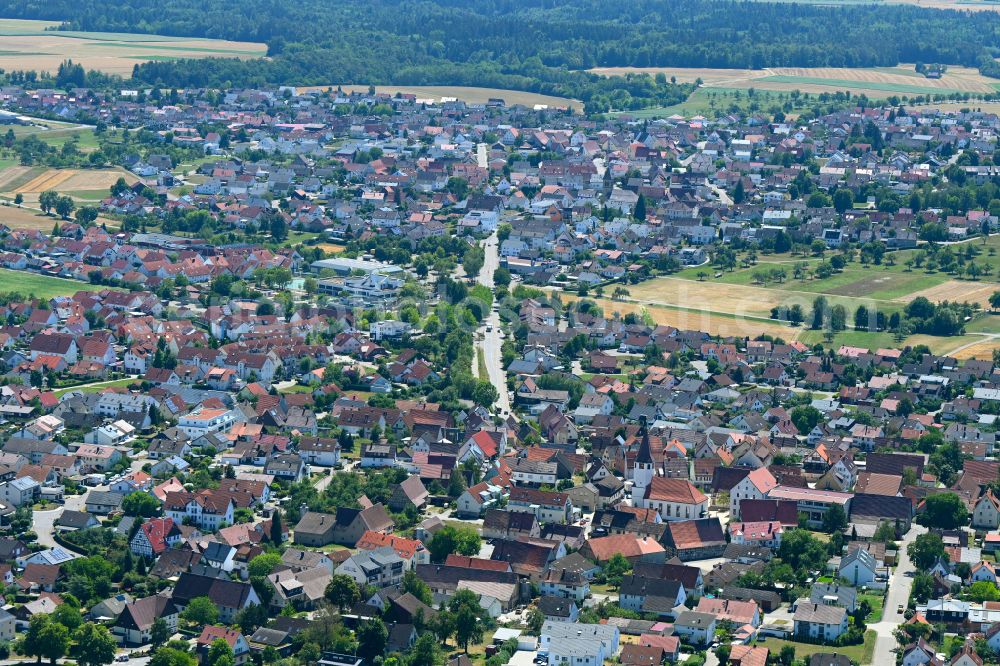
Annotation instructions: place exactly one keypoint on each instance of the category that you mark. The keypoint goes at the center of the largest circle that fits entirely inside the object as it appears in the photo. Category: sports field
(28, 45)
(466, 94)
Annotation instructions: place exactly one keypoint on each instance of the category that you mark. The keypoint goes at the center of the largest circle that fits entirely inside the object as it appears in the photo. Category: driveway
(43, 523)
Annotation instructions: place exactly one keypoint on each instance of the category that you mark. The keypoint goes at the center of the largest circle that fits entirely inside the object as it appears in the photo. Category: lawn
(482, 370)
(97, 387)
(296, 238)
(714, 101)
(861, 654)
(844, 84)
(42, 286)
(877, 603)
(297, 388)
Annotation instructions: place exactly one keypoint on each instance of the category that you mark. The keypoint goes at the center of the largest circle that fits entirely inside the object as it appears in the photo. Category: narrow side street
(898, 594)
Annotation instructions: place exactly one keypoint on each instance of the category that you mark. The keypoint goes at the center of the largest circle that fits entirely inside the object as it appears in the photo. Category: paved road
(900, 584)
(43, 522)
(489, 340)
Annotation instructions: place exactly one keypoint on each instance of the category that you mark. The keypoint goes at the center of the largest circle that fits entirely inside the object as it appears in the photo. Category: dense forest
(537, 45)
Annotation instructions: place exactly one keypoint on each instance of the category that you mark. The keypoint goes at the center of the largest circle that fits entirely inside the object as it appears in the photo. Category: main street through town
(489, 338)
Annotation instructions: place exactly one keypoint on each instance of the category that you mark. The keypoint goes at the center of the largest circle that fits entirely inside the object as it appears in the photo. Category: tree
(220, 654)
(342, 591)
(425, 651)
(201, 611)
(47, 201)
(443, 624)
(53, 641)
(18, 199)
(842, 200)
(535, 618)
(925, 550)
(944, 511)
(171, 656)
(278, 228)
(640, 208)
(159, 633)
(981, 591)
(923, 586)
(32, 645)
(413, 584)
(95, 646)
(468, 625)
(65, 207)
(86, 215)
(800, 549)
(473, 260)
(819, 312)
(995, 300)
(885, 532)
(372, 638)
(140, 504)
(458, 187)
(276, 535)
(616, 567)
(805, 418)
(484, 393)
(456, 484)
(68, 615)
(834, 520)
(263, 565)
(787, 655)
(460, 539)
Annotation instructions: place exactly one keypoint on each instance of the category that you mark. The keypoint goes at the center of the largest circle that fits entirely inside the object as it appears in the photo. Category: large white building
(206, 421)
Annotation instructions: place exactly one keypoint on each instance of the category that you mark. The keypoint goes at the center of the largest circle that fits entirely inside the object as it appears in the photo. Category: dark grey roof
(640, 586)
(104, 497)
(76, 519)
(881, 506)
(555, 606)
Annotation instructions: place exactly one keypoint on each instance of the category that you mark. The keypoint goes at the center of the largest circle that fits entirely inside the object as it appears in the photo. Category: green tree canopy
(944, 511)
(201, 611)
(460, 539)
(925, 550)
(95, 646)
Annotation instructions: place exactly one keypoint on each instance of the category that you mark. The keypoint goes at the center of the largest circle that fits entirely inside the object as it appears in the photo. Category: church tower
(643, 472)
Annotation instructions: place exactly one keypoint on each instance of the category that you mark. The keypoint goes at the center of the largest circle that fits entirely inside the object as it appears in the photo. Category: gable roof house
(135, 624)
(230, 596)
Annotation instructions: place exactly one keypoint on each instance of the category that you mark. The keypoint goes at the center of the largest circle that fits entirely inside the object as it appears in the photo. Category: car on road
(899, 609)
(489, 328)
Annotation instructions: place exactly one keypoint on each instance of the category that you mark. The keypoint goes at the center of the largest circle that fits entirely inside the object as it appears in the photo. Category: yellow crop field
(28, 45)
(872, 81)
(466, 94)
(955, 290)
